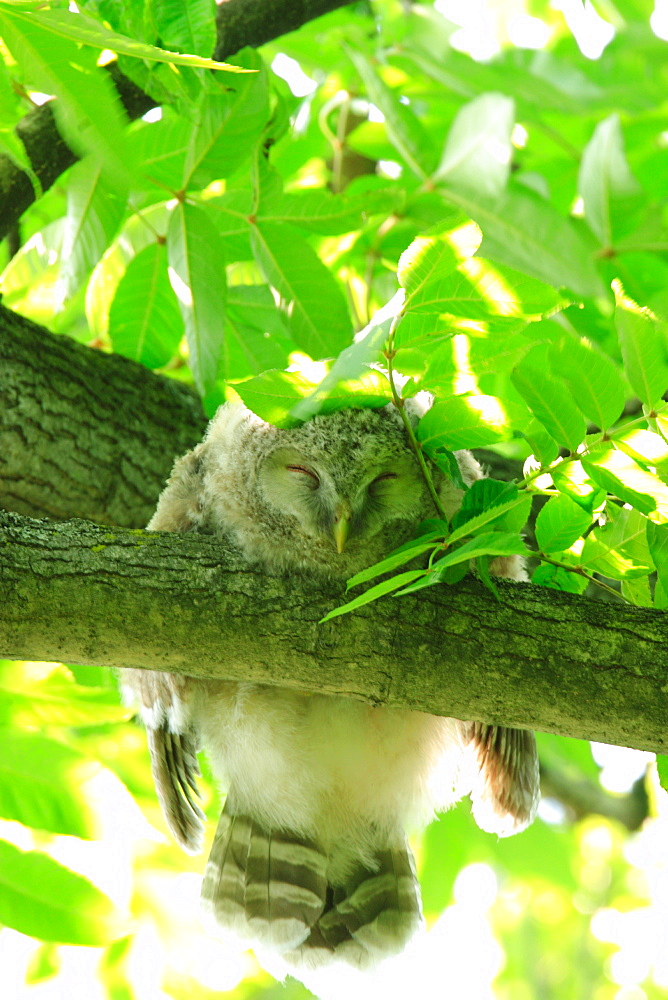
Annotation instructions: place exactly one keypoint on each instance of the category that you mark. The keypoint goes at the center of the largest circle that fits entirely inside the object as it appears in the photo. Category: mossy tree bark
(83, 433)
(92, 435)
(536, 658)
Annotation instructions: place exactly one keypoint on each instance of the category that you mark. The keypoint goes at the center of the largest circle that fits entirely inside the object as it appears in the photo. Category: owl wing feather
(175, 770)
(163, 699)
(506, 788)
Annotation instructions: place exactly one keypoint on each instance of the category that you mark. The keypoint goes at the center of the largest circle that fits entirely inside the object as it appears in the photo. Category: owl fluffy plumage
(310, 859)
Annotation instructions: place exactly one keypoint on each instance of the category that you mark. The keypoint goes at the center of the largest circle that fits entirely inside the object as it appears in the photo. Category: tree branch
(83, 433)
(189, 604)
(249, 22)
(238, 23)
(581, 797)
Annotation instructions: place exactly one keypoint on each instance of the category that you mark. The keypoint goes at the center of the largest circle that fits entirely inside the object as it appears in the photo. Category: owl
(310, 859)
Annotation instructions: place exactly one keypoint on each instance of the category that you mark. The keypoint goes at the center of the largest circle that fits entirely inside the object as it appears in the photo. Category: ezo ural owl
(310, 859)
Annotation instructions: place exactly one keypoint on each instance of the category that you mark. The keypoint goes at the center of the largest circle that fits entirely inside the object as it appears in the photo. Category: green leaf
(485, 494)
(543, 446)
(470, 358)
(500, 300)
(636, 591)
(87, 31)
(448, 575)
(523, 231)
(661, 590)
(657, 539)
(229, 126)
(319, 321)
(550, 403)
(464, 422)
(447, 462)
(645, 353)
(189, 26)
(428, 258)
(572, 479)
(197, 274)
(370, 390)
(662, 770)
(88, 109)
(558, 578)
(409, 137)
(560, 523)
(350, 371)
(625, 479)
(647, 448)
(593, 379)
(619, 548)
(229, 214)
(604, 177)
(497, 511)
(273, 394)
(380, 590)
(320, 211)
(144, 320)
(478, 149)
(416, 337)
(256, 335)
(12, 147)
(42, 784)
(10, 144)
(44, 965)
(410, 550)
(42, 899)
(286, 399)
(491, 543)
(56, 701)
(94, 213)
(160, 147)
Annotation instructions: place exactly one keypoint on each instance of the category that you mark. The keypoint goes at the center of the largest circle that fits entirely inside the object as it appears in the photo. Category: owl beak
(341, 527)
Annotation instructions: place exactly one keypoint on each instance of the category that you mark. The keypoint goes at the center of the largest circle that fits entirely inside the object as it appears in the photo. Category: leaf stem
(580, 571)
(597, 439)
(401, 406)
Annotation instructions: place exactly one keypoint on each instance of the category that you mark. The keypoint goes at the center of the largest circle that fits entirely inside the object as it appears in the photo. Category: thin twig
(401, 406)
(580, 571)
(576, 457)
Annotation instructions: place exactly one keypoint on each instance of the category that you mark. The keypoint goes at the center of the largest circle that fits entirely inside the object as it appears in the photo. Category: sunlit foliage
(476, 192)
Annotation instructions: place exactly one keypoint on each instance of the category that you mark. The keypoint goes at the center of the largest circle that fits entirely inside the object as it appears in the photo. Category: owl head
(332, 495)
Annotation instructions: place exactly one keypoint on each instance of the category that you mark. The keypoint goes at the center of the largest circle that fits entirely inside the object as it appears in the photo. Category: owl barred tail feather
(370, 918)
(265, 886)
(271, 888)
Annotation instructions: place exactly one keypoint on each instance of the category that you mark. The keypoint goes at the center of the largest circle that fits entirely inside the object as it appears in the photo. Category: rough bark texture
(83, 433)
(89, 434)
(537, 658)
(238, 23)
(249, 22)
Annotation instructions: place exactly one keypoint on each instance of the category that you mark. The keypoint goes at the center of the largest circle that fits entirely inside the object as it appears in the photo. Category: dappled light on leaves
(458, 199)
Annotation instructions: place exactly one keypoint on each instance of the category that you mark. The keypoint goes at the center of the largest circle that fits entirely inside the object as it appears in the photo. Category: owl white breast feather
(310, 860)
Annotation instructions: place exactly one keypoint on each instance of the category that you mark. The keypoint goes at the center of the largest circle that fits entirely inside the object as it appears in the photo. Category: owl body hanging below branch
(310, 859)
